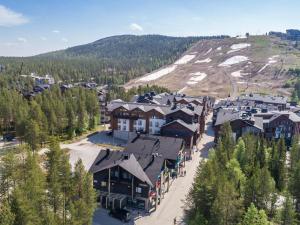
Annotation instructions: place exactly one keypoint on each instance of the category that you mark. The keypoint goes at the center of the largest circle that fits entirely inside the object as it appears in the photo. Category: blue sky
(29, 27)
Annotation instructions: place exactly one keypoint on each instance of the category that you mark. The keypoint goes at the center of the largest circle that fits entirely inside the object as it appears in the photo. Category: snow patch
(209, 50)
(158, 74)
(191, 82)
(271, 61)
(196, 78)
(263, 68)
(182, 89)
(238, 47)
(219, 48)
(184, 60)
(207, 60)
(238, 73)
(234, 60)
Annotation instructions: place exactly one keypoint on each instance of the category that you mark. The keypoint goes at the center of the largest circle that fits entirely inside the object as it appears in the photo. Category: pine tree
(54, 174)
(32, 135)
(29, 199)
(281, 165)
(6, 215)
(227, 207)
(288, 214)
(295, 153)
(259, 188)
(240, 153)
(255, 217)
(84, 203)
(66, 184)
(295, 184)
(226, 137)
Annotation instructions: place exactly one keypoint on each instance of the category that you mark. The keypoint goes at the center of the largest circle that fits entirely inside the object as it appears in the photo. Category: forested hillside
(112, 60)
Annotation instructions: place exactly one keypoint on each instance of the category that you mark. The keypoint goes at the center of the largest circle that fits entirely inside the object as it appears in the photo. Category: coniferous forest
(51, 113)
(251, 182)
(35, 191)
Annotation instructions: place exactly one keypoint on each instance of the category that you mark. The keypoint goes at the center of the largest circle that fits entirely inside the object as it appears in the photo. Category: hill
(112, 60)
(229, 66)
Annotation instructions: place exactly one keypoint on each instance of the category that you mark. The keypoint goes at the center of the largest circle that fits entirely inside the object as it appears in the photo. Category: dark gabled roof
(149, 144)
(184, 110)
(189, 98)
(224, 116)
(106, 160)
(290, 115)
(146, 156)
(145, 107)
(192, 127)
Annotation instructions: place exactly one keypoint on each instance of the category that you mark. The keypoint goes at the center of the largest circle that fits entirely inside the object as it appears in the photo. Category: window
(140, 123)
(119, 127)
(150, 131)
(124, 121)
(124, 128)
(116, 173)
(156, 124)
(103, 184)
(138, 190)
(150, 123)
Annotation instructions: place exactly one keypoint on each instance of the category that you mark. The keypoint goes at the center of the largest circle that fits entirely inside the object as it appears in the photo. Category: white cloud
(56, 31)
(9, 18)
(22, 40)
(64, 40)
(136, 27)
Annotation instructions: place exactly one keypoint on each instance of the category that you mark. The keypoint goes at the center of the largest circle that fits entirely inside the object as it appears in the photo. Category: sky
(30, 27)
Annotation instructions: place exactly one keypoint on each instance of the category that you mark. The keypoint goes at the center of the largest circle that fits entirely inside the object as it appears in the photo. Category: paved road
(173, 203)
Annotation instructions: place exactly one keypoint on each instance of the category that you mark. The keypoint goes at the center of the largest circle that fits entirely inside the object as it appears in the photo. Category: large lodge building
(140, 175)
(170, 115)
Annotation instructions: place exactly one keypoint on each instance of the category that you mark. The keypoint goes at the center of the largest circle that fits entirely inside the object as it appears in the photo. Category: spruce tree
(281, 182)
(288, 214)
(54, 174)
(255, 217)
(6, 215)
(83, 204)
(295, 184)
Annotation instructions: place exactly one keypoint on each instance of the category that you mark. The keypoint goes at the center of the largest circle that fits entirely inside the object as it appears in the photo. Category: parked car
(8, 137)
(121, 214)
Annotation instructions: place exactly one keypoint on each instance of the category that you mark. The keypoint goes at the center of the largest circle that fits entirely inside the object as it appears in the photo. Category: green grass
(262, 41)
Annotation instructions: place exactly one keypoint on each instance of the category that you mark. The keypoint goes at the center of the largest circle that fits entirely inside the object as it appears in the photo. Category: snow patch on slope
(207, 60)
(238, 47)
(196, 78)
(158, 74)
(184, 60)
(234, 60)
(238, 74)
(209, 50)
(271, 61)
